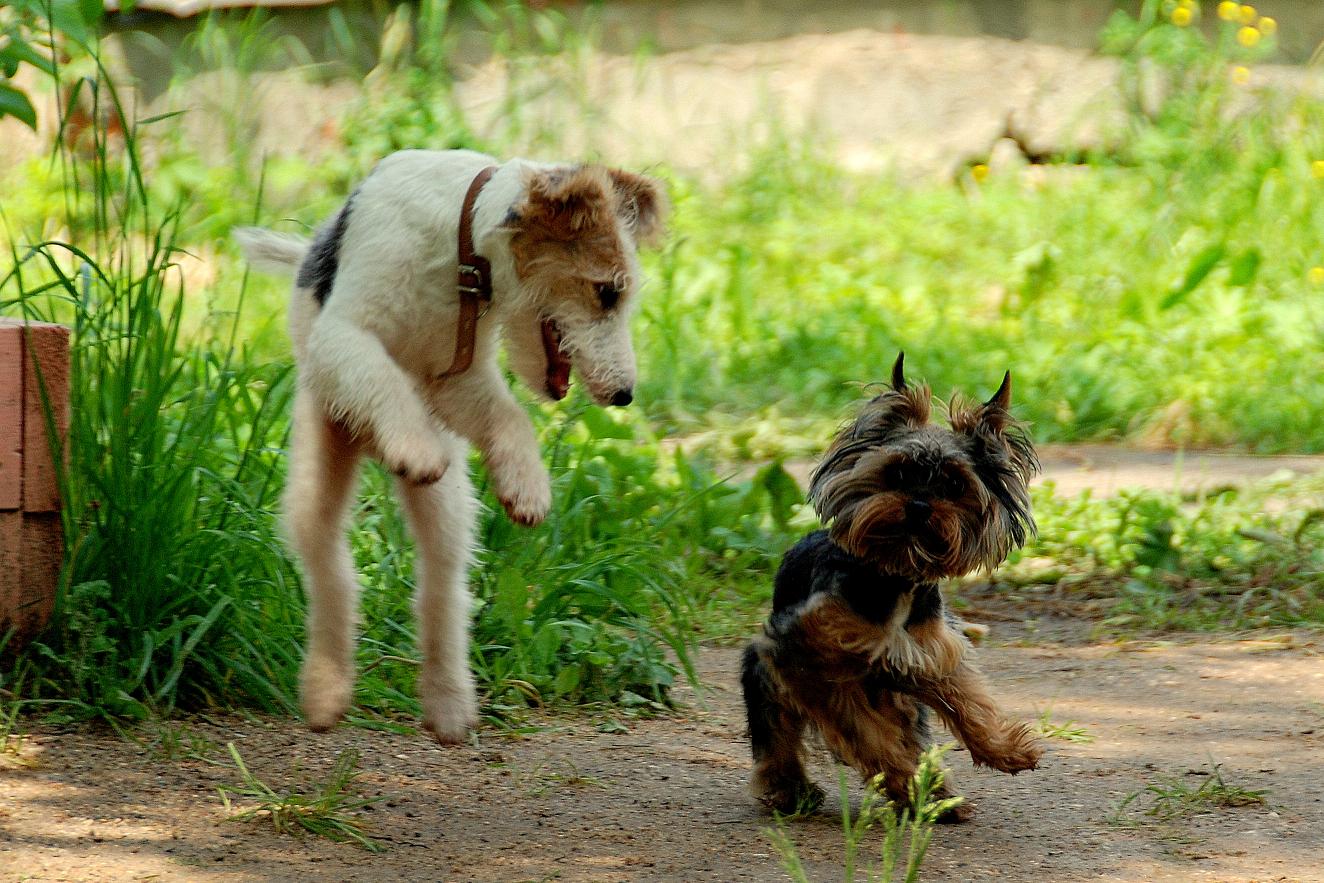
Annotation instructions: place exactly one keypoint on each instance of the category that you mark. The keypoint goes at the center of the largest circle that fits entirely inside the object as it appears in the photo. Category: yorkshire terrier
(859, 645)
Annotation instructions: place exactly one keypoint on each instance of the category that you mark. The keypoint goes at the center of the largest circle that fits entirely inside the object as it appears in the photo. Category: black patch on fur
(319, 268)
(760, 706)
(817, 564)
(926, 605)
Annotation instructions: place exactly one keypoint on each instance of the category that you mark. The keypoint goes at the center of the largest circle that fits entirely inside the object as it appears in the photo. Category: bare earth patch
(667, 801)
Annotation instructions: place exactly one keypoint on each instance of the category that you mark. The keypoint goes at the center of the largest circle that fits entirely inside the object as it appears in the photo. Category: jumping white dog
(394, 318)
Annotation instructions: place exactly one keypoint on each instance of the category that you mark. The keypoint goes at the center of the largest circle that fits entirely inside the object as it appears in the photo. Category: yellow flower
(1248, 37)
(979, 173)
(1228, 10)
(1316, 275)
(1241, 75)
(1247, 14)
(1317, 168)
(1186, 3)
(1181, 16)
(1268, 26)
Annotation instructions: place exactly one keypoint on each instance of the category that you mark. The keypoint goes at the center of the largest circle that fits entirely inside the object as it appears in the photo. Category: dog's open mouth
(558, 363)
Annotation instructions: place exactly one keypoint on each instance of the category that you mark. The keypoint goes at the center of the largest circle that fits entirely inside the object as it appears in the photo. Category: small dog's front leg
(775, 730)
(360, 385)
(963, 702)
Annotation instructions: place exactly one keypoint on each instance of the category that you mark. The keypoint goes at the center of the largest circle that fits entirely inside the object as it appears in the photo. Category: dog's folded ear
(566, 202)
(641, 202)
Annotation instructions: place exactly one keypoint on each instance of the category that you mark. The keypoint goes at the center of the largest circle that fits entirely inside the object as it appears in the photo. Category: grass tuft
(1066, 731)
(1175, 798)
(906, 831)
(323, 809)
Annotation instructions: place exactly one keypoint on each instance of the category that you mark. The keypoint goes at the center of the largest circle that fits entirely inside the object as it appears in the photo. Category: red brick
(30, 556)
(11, 417)
(34, 358)
(45, 384)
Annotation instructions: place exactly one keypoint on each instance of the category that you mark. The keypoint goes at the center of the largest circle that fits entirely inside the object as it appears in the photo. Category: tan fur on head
(573, 244)
(566, 202)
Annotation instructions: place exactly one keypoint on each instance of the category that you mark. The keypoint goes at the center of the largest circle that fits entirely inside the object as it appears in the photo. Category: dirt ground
(666, 800)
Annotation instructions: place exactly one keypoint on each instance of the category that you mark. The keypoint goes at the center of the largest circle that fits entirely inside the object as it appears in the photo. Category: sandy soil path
(666, 800)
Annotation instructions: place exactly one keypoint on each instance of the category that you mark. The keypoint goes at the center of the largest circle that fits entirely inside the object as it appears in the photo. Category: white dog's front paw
(449, 715)
(417, 459)
(525, 492)
(325, 693)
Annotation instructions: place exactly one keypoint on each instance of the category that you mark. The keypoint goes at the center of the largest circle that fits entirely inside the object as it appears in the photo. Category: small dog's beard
(952, 541)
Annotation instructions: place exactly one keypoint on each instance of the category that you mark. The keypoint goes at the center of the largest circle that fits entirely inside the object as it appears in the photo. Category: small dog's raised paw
(1018, 757)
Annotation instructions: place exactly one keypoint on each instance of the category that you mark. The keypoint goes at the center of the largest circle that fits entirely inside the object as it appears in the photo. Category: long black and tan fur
(860, 645)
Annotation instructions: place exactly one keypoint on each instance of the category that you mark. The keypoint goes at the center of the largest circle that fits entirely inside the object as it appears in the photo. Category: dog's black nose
(622, 398)
(917, 510)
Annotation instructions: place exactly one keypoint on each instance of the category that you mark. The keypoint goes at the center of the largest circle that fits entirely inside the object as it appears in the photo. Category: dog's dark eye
(953, 486)
(608, 294)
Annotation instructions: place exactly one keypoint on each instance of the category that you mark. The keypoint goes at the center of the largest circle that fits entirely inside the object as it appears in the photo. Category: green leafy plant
(1238, 558)
(34, 34)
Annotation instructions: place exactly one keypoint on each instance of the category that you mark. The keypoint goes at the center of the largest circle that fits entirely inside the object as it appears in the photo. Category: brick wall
(31, 539)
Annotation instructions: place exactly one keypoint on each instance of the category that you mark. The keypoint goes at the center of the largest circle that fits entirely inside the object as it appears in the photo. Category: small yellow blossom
(1268, 26)
(1241, 75)
(1316, 275)
(1317, 168)
(1248, 37)
(1186, 4)
(979, 173)
(1247, 14)
(1181, 16)
(1229, 10)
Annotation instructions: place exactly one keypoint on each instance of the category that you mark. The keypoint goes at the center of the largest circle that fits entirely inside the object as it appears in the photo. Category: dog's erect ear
(995, 414)
(641, 203)
(1001, 400)
(898, 372)
(565, 201)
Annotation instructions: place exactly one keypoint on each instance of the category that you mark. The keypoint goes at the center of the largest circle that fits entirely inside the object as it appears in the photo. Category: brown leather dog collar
(475, 281)
(475, 290)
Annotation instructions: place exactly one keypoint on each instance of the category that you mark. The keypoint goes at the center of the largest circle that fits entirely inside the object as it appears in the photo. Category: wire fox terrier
(397, 360)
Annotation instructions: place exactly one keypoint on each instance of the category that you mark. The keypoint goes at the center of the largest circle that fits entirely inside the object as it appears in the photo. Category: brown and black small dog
(859, 645)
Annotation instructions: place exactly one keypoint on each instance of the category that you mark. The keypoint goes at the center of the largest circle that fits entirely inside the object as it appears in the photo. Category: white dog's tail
(270, 251)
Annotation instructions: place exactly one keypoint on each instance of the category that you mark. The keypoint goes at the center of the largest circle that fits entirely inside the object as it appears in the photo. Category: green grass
(1064, 731)
(1174, 798)
(1159, 292)
(323, 809)
(1233, 559)
(906, 830)
(177, 591)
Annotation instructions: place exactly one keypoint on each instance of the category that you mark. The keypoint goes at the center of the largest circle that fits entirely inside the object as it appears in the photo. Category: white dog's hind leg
(357, 380)
(441, 517)
(323, 469)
